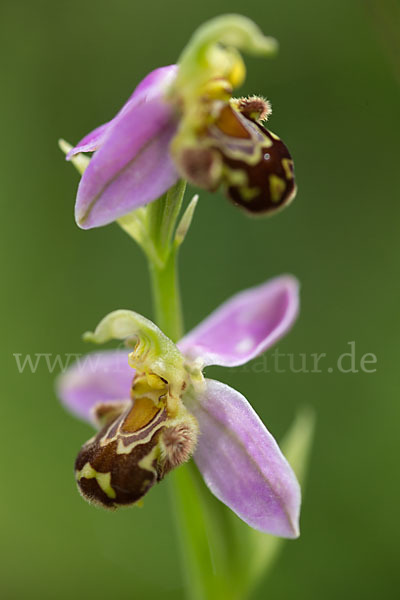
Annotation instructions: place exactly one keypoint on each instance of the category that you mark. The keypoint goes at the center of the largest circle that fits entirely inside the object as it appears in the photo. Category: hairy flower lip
(240, 460)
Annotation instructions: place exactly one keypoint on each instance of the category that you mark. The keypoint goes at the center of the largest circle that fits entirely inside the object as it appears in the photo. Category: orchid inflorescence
(151, 403)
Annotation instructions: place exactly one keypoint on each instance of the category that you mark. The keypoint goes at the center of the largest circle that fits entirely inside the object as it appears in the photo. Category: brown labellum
(269, 184)
(236, 151)
(133, 451)
(258, 168)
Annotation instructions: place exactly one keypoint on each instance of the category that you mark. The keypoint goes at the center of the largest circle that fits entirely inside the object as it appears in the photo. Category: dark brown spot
(201, 166)
(106, 412)
(269, 183)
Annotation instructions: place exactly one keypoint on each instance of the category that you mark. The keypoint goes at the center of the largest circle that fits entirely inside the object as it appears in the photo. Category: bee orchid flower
(181, 122)
(155, 409)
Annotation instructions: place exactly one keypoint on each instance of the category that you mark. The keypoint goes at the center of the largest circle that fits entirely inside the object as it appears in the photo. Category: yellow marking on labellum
(248, 194)
(277, 187)
(287, 165)
(267, 143)
(239, 153)
(276, 137)
(122, 449)
(103, 479)
(120, 434)
(236, 136)
(147, 461)
(236, 177)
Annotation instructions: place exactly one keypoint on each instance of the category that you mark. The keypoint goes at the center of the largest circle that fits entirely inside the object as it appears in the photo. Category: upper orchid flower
(155, 418)
(182, 122)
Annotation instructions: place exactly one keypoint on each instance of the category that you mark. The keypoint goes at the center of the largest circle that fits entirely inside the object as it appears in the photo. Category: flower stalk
(188, 501)
(166, 295)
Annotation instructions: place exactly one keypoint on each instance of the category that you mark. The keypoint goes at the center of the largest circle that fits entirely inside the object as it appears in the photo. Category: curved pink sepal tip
(246, 325)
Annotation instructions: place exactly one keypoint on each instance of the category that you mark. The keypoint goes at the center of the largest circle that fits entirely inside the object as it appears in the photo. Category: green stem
(166, 296)
(195, 530)
(190, 513)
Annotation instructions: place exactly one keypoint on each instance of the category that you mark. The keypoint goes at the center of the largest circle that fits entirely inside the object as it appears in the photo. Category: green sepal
(153, 352)
(80, 161)
(212, 52)
(186, 221)
(161, 217)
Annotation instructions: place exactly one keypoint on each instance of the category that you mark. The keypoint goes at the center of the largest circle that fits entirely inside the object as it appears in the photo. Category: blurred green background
(67, 67)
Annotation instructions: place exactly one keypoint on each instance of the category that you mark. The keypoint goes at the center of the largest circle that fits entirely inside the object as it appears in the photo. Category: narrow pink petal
(246, 325)
(97, 377)
(156, 81)
(91, 142)
(133, 166)
(242, 464)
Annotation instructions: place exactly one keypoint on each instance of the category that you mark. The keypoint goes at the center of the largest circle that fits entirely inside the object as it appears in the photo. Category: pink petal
(91, 142)
(158, 79)
(97, 377)
(246, 325)
(149, 87)
(242, 464)
(133, 166)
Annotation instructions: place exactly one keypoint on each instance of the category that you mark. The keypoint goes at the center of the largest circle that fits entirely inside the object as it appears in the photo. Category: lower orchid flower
(182, 122)
(155, 410)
